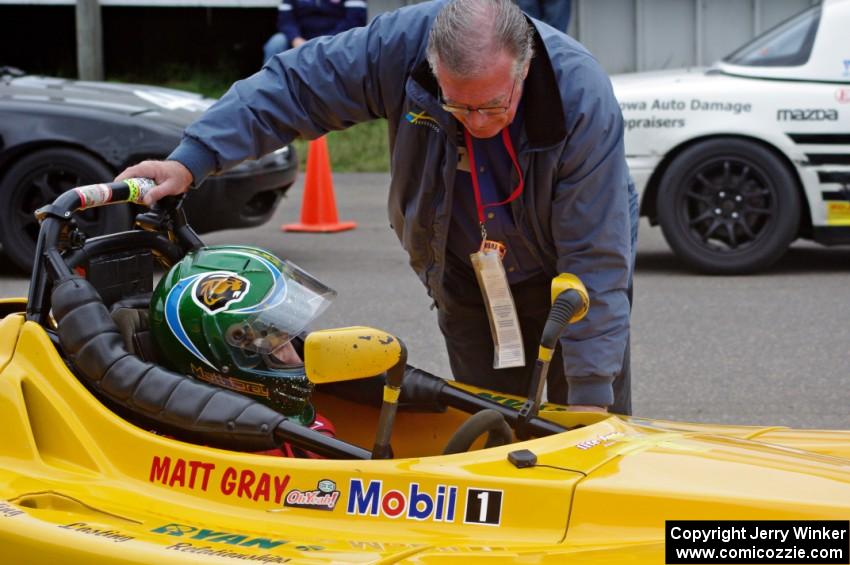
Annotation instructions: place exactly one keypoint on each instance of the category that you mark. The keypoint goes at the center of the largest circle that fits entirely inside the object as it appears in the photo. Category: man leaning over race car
(451, 77)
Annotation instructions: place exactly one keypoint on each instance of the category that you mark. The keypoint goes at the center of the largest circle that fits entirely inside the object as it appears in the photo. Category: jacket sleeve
(330, 83)
(591, 225)
(355, 16)
(287, 22)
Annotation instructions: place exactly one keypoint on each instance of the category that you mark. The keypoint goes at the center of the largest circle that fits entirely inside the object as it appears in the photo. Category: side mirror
(346, 354)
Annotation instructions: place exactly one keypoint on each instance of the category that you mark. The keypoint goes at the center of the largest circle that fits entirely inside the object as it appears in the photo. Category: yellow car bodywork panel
(835, 443)
(78, 484)
(10, 326)
(646, 487)
(76, 475)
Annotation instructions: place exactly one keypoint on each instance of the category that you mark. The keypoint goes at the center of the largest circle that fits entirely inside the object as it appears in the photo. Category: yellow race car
(107, 458)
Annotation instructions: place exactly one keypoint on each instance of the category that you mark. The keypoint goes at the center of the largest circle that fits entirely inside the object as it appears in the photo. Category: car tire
(37, 179)
(728, 206)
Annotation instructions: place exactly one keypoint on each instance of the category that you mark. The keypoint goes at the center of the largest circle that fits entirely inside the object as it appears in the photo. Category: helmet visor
(252, 333)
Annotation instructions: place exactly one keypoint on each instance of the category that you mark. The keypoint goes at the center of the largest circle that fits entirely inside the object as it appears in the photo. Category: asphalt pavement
(767, 349)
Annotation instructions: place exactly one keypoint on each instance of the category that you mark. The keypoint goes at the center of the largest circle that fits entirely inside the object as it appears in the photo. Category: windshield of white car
(789, 44)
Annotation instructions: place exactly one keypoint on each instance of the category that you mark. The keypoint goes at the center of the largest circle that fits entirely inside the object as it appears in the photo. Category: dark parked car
(56, 134)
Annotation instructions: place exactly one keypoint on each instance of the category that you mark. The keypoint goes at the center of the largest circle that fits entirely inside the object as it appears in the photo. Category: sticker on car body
(229, 481)
(440, 504)
(838, 213)
(323, 497)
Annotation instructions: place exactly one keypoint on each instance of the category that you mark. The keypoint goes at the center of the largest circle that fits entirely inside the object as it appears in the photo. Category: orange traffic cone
(318, 210)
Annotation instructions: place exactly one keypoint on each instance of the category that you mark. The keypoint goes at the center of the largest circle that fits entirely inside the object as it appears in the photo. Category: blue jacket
(312, 18)
(574, 213)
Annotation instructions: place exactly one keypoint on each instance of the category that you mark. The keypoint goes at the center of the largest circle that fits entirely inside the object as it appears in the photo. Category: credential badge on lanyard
(508, 350)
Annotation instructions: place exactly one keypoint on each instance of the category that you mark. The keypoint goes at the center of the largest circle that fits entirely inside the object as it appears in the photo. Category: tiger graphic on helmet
(216, 290)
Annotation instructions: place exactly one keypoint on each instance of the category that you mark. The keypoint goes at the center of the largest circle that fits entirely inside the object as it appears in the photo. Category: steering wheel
(61, 249)
(486, 421)
(151, 395)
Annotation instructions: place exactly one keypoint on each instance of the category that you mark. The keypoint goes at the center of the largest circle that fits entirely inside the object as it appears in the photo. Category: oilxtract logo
(807, 115)
(369, 498)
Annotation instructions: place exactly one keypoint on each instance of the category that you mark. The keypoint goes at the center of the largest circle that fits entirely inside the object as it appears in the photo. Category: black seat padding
(172, 403)
(134, 326)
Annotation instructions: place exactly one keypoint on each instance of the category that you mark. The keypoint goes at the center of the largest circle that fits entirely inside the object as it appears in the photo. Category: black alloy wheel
(37, 179)
(728, 206)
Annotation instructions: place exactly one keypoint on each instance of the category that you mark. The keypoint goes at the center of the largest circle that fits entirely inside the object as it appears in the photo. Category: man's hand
(171, 178)
(298, 42)
(587, 408)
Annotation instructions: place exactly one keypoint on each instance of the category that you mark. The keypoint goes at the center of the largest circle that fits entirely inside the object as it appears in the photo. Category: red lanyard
(506, 139)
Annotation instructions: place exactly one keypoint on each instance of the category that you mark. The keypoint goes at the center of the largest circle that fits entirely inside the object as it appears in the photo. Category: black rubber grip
(559, 316)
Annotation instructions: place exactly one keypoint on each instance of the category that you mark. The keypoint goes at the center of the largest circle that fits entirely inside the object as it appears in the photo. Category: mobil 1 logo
(483, 506)
(442, 504)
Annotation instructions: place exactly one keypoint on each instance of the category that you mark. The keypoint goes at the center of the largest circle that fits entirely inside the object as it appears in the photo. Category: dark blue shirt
(495, 179)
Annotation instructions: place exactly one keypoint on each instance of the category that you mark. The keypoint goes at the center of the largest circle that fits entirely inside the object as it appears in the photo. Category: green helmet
(223, 313)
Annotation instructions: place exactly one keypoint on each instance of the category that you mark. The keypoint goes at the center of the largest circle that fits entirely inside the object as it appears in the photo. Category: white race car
(738, 160)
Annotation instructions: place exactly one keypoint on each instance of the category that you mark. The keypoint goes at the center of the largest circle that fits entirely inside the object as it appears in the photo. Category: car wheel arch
(13, 155)
(58, 167)
(649, 198)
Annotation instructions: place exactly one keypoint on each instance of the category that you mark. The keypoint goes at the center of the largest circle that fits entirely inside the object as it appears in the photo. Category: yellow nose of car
(108, 458)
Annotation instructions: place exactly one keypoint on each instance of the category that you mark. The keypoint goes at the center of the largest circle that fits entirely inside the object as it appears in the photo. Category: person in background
(556, 13)
(507, 153)
(300, 20)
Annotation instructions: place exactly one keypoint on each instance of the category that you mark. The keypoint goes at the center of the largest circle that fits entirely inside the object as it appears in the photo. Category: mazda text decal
(807, 115)
(368, 498)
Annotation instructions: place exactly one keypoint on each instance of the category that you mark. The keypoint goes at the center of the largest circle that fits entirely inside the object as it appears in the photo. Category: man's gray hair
(467, 33)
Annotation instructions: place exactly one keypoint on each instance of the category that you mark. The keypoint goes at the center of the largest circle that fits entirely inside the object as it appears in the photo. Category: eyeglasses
(484, 111)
